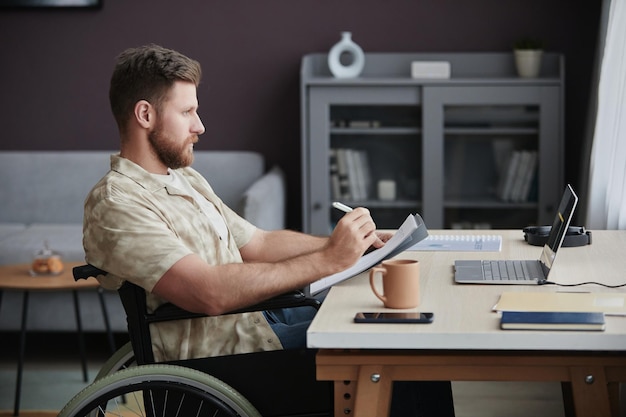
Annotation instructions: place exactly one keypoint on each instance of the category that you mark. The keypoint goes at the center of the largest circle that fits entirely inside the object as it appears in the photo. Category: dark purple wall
(55, 65)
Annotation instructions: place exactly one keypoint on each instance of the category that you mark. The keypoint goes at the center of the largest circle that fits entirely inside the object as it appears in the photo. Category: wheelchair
(271, 384)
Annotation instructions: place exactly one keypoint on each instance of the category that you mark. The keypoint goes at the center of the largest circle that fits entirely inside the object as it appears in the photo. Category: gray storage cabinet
(483, 148)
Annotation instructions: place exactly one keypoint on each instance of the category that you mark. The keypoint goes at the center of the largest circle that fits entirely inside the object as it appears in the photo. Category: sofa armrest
(263, 203)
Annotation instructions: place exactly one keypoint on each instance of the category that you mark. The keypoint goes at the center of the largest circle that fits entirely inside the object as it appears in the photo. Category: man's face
(178, 126)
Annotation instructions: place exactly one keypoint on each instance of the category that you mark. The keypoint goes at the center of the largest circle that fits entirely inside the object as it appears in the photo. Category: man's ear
(144, 113)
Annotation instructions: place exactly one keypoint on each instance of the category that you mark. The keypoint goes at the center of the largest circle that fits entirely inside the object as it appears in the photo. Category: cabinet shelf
(391, 131)
(376, 204)
(483, 148)
(479, 131)
(488, 203)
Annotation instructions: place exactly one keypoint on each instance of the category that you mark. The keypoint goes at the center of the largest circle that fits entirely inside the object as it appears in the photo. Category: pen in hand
(348, 209)
(342, 207)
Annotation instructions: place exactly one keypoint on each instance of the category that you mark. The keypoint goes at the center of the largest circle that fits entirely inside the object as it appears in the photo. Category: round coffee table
(18, 278)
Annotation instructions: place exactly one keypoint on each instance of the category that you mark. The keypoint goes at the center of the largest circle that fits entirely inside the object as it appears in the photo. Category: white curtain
(606, 205)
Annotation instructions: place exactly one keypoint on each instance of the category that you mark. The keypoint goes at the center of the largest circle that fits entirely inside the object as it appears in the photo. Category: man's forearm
(196, 286)
(279, 245)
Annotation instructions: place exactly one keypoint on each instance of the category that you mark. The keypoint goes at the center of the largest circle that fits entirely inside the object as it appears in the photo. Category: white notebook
(460, 243)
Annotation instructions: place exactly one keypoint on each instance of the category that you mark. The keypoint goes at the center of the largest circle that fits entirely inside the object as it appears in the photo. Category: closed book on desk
(555, 320)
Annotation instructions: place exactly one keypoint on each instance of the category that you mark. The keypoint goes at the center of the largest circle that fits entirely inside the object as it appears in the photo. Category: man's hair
(147, 73)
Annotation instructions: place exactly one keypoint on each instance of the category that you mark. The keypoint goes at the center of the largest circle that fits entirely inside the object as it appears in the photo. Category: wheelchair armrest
(86, 271)
(287, 300)
(169, 311)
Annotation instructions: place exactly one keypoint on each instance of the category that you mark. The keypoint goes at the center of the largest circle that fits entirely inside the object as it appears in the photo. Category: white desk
(464, 343)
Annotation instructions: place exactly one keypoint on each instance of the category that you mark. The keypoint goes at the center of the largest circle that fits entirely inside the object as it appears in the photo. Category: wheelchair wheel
(123, 358)
(158, 390)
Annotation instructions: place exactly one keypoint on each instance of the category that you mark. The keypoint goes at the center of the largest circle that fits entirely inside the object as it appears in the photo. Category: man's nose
(198, 127)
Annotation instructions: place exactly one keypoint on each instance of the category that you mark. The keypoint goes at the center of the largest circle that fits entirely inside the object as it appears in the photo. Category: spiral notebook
(460, 243)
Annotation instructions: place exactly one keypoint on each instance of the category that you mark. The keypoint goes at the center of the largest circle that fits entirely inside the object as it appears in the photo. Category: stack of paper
(607, 303)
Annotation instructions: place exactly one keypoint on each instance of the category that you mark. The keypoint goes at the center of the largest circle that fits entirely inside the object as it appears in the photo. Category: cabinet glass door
(364, 149)
(494, 145)
(490, 166)
(375, 160)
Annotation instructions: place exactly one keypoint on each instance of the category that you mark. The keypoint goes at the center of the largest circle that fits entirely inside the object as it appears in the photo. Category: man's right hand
(354, 234)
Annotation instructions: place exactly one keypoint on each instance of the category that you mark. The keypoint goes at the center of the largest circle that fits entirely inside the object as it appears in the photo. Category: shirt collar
(136, 173)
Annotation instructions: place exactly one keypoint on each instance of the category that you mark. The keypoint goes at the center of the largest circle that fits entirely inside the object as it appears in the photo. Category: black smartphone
(394, 317)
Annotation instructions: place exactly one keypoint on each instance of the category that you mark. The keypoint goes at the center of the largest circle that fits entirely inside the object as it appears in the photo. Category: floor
(53, 375)
(52, 369)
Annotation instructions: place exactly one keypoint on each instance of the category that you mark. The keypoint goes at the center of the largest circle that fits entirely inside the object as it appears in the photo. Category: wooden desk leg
(373, 391)
(590, 391)
(613, 388)
(344, 392)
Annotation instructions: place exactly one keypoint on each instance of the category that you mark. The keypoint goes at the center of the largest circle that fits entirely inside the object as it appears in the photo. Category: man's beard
(171, 154)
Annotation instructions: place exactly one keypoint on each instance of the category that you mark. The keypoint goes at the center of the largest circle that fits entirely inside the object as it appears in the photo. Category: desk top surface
(464, 315)
(17, 277)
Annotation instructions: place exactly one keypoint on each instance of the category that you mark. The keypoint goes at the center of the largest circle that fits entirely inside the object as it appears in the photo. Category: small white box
(387, 190)
(430, 69)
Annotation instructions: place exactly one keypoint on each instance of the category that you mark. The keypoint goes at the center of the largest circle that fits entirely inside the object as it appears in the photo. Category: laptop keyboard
(510, 270)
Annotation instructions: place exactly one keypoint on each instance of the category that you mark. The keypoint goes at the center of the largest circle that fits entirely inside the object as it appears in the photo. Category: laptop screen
(559, 228)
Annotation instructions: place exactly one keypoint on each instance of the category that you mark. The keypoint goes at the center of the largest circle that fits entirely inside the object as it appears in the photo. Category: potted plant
(528, 53)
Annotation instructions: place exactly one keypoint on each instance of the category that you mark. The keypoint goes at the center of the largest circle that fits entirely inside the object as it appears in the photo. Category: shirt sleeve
(130, 240)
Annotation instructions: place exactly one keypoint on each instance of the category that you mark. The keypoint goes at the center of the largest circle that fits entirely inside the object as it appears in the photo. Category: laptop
(525, 272)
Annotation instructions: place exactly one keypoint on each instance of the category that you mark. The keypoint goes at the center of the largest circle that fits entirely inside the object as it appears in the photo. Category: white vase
(528, 62)
(346, 48)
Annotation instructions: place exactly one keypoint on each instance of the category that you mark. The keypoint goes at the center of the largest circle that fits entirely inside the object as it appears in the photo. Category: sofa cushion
(263, 204)
(230, 173)
(9, 229)
(48, 186)
(51, 186)
(66, 239)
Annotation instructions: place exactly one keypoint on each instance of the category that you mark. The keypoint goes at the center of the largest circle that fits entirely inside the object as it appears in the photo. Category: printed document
(412, 231)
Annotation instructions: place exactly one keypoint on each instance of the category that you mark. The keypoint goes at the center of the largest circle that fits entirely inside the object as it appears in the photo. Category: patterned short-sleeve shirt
(136, 228)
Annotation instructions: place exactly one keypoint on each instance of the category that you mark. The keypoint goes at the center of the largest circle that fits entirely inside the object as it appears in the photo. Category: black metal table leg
(81, 339)
(20, 360)
(107, 323)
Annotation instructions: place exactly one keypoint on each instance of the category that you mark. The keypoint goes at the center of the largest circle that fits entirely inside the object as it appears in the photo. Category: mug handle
(373, 272)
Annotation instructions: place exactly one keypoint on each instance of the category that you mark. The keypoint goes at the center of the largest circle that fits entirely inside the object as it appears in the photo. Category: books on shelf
(350, 176)
(355, 124)
(517, 176)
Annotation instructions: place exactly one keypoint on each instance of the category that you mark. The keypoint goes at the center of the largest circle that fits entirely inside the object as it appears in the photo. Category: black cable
(546, 282)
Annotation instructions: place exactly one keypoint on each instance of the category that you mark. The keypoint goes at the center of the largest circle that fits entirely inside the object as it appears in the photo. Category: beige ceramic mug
(401, 283)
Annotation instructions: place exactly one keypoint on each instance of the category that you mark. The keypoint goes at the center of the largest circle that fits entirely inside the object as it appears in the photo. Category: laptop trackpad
(468, 271)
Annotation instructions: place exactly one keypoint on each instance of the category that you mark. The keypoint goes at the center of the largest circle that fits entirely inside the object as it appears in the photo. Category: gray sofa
(42, 201)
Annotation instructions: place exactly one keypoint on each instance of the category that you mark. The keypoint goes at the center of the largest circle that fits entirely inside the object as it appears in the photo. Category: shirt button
(270, 341)
(257, 320)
